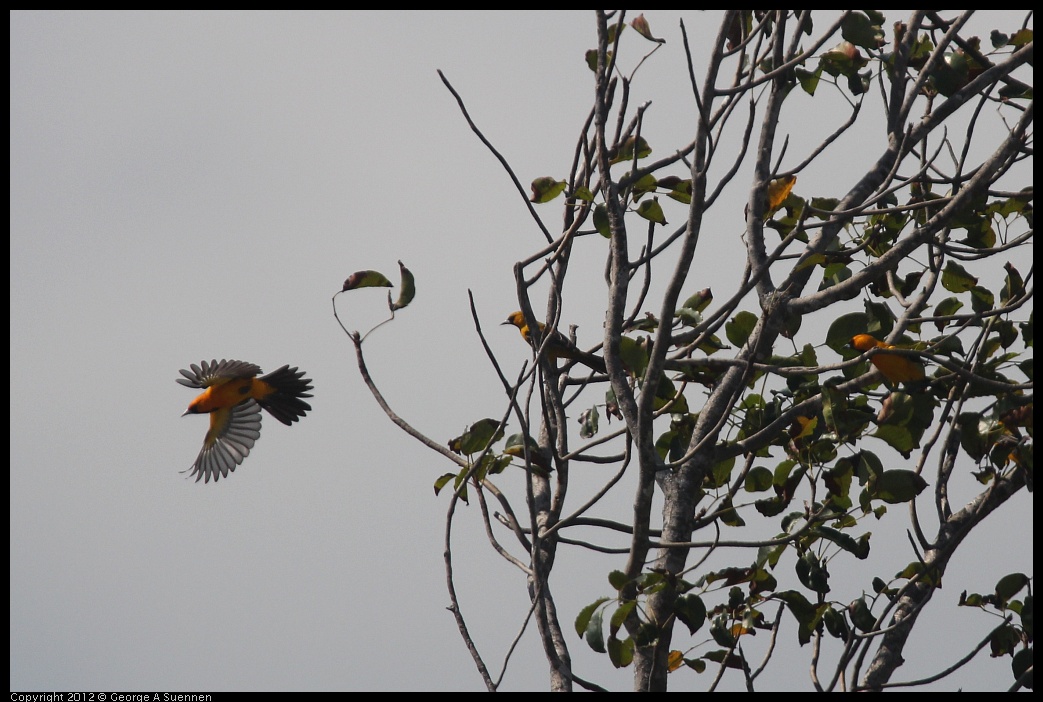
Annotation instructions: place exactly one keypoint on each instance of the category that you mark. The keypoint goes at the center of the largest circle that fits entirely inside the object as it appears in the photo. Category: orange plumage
(896, 368)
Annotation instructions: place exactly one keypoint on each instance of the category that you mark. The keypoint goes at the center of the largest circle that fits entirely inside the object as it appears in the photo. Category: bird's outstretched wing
(208, 373)
(232, 434)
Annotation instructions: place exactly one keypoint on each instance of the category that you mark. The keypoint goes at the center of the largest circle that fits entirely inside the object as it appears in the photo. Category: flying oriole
(558, 345)
(234, 398)
(897, 369)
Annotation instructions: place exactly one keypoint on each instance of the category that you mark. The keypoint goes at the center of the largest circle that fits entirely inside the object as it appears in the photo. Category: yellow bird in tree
(896, 368)
(558, 345)
(778, 190)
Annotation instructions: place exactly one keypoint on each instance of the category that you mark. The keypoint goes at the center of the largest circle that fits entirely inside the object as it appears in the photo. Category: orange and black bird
(896, 368)
(558, 346)
(234, 398)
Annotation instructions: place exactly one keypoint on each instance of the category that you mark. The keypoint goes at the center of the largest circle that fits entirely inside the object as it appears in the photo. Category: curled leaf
(545, 189)
(408, 291)
(366, 279)
(640, 24)
(699, 301)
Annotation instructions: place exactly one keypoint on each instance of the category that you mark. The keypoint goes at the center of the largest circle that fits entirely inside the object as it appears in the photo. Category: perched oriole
(558, 346)
(897, 369)
(234, 398)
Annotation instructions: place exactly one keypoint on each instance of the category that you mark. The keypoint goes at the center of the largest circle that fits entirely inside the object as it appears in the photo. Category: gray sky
(189, 186)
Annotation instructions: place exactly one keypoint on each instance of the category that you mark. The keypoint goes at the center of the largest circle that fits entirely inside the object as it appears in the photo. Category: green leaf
(626, 153)
(982, 299)
(758, 479)
(594, 635)
(947, 307)
(836, 623)
(545, 189)
(646, 634)
(842, 329)
(619, 616)
(728, 660)
(713, 344)
(620, 653)
(1026, 615)
(838, 481)
(668, 398)
(803, 611)
(696, 664)
(491, 464)
(691, 611)
(583, 193)
(407, 292)
(863, 28)
(601, 221)
(1004, 641)
(644, 184)
(1021, 663)
(1010, 585)
(442, 481)
(633, 354)
(842, 60)
(1014, 284)
(897, 486)
(677, 189)
(721, 632)
(585, 615)
(809, 79)
(699, 301)
(458, 482)
(771, 506)
(955, 278)
(515, 445)
(897, 437)
(477, 437)
(862, 618)
(739, 327)
(859, 547)
(591, 57)
(618, 579)
(652, 211)
(1021, 38)
(954, 72)
(812, 572)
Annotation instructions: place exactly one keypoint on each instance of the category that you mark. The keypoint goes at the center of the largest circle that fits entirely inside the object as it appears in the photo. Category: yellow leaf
(546, 188)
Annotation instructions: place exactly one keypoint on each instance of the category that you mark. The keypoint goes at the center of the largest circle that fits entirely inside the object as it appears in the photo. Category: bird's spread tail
(288, 387)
